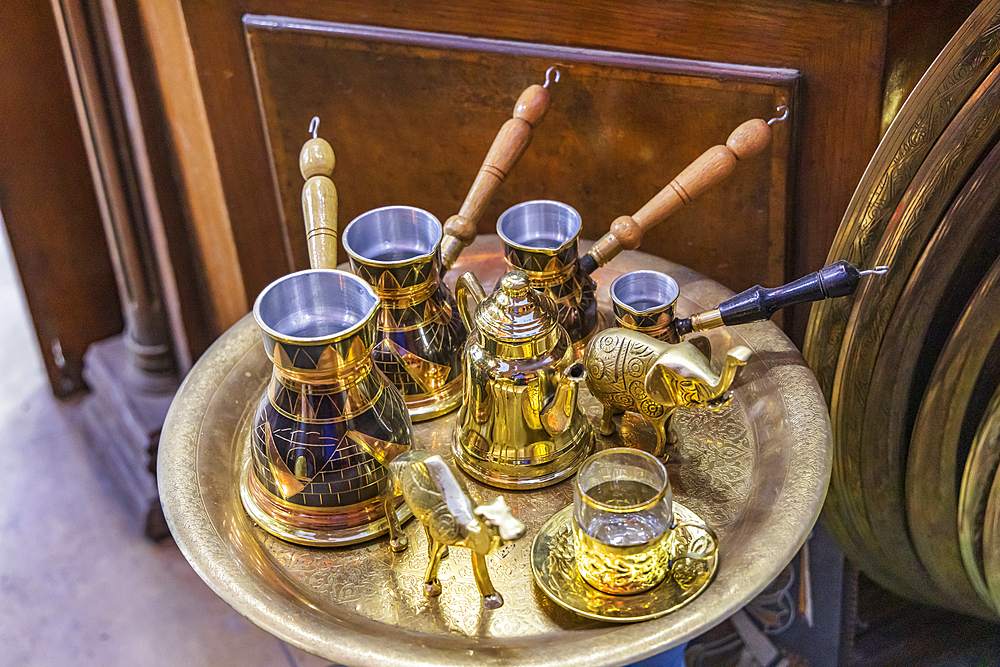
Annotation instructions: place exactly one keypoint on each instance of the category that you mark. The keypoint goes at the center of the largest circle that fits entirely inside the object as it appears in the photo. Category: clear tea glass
(622, 521)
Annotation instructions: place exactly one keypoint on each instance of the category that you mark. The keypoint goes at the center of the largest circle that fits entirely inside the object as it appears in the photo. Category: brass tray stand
(757, 472)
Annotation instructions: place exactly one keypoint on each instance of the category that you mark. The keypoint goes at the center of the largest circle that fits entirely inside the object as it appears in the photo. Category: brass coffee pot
(519, 426)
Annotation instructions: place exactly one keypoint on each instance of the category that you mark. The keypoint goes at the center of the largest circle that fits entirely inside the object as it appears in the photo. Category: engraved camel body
(439, 499)
(627, 370)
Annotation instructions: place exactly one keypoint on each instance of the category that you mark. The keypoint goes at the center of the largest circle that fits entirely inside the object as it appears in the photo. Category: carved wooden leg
(491, 598)
(607, 426)
(397, 541)
(432, 585)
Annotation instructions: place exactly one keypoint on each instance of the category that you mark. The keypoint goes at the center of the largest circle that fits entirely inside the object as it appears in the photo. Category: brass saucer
(553, 564)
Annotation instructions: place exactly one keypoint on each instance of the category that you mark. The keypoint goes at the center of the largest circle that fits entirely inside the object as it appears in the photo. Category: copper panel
(411, 115)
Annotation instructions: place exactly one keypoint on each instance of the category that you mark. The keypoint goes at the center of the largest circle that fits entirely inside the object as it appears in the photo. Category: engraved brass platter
(755, 471)
(552, 561)
(943, 129)
(927, 310)
(991, 541)
(967, 363)
(980, 469)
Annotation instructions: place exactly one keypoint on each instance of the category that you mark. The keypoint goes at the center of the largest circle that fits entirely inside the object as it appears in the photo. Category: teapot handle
(468, 285)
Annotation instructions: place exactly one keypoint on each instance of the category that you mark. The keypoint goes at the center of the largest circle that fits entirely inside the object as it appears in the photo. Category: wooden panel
(411, 115)
(180, 270)
(47, 197)
(839, 49)
(166, 36)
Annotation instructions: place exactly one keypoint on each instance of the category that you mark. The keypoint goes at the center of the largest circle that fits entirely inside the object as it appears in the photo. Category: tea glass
(623, 523)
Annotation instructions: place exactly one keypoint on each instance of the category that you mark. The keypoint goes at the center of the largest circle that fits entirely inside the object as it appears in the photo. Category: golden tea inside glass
(622, 516)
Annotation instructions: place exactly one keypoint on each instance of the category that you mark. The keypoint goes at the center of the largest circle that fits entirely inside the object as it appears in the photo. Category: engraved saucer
(553, 564)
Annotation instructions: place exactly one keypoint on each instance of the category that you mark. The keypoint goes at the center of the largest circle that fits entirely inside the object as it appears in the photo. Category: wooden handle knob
(319, 202)
(316, 159)
(711, 168)
(508, 147)
(749, 138)
(532, 104)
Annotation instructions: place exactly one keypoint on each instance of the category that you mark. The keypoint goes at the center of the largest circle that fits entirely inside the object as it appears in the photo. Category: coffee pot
(419, 334)
(519, 426)
(329, 422)
(540, 237)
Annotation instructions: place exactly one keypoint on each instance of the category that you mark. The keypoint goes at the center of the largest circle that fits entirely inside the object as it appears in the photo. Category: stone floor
(79, 584)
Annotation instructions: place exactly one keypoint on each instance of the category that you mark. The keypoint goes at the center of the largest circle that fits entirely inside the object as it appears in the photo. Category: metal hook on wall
(549, 75)
(777, 119)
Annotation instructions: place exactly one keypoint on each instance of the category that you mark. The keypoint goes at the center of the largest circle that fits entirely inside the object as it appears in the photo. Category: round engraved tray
(755, 471)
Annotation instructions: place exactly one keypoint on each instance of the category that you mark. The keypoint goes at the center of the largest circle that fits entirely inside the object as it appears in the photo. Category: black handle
(759, 303)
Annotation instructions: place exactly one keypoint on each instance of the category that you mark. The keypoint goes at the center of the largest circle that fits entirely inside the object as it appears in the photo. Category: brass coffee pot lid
(515, 312)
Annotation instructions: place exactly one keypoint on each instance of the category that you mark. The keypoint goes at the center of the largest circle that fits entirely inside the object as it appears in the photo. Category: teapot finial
(515, 283)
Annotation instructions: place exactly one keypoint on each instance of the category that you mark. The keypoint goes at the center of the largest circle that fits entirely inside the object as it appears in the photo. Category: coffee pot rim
(355, 255)
(343, 334)
(574, 215)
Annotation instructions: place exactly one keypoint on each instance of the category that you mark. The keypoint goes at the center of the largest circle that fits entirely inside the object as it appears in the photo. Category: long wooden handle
(712, 167)
(319, 201)
(510, 143)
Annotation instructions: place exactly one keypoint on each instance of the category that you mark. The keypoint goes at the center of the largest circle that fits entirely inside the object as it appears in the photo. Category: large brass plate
(756, 472)
(991, 541)
(968, 363)
(980, 469)
(871, 227)
(933, 187)
(929, 306)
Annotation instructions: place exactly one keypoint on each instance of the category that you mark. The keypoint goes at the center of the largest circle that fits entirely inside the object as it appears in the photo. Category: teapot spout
(557, 415)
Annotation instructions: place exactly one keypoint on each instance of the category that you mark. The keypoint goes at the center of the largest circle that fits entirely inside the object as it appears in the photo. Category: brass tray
(991, 541)
(980, 469)
(756, 471)
(931, 190)
(929, 307)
